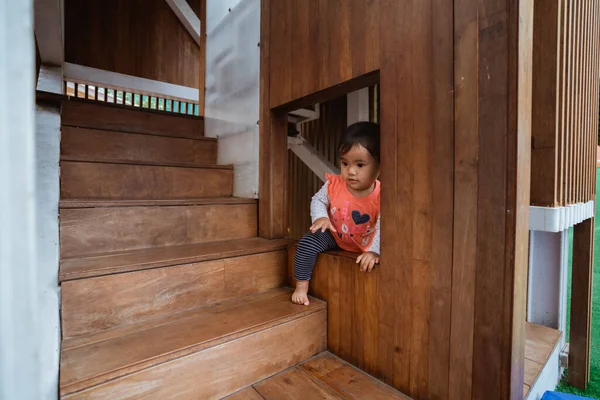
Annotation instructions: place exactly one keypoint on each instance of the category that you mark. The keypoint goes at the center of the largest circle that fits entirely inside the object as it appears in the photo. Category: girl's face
(359, 170)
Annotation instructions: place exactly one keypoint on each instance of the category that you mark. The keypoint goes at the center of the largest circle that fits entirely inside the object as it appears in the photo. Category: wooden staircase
(167, 292)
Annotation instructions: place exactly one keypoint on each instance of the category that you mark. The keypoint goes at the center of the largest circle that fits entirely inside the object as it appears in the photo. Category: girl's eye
(344, 164)
(360, 165)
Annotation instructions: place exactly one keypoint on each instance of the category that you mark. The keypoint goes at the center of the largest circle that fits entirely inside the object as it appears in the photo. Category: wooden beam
(49, 31)
(581, 304)
(94, 76)
(187, 16)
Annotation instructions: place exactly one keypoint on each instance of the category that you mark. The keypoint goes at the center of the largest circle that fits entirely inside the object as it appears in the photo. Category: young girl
(345, 212)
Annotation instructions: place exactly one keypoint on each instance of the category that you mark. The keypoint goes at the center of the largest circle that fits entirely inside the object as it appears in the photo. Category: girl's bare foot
(300, 295)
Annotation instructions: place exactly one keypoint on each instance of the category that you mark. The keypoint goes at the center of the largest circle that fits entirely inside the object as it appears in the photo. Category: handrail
(112, 87)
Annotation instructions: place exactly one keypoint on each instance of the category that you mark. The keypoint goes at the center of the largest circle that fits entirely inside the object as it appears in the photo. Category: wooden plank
(577, 148)
(542, 334)
(114, 118)
(532, 371)
(214, 371)
(245, 394)
(388, 287)
(567, 115)
(520, 36)
(586, 101)
(110, 145)
(422, 194)
(562, 96)
(359, 301)
(90, 180)
(293, 384)
(202, 62)
(89, 305)
(129, 329)
(546, 66)
(595, 97)
(64, 204)
(136, 260)
(101, 230)
(273, 138)
(581, 304)
(465, 194)
(347, 381)
(440, 303)
(147, 163)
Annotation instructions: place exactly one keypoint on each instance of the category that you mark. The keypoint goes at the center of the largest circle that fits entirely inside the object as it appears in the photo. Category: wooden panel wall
(352, 306)
(450, 312)
(565, 102)
(135, 37)
(323, 134)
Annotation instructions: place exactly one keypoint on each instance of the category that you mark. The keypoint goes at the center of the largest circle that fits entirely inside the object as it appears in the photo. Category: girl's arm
(319, 205)
(375, 244)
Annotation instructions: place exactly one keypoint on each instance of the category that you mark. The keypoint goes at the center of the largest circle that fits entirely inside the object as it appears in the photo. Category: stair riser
(86, 115)
(109, 145)
(99, 230)
(84, 180)
(90, 305)
(221, 370)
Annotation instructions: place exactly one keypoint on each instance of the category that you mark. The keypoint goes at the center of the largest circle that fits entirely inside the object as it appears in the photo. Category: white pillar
(47, 118)
(358, 106)
(548, 263)
(19, 342)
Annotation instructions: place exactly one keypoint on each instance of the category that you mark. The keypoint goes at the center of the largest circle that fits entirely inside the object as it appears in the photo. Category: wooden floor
(322, 377)
(540, 342)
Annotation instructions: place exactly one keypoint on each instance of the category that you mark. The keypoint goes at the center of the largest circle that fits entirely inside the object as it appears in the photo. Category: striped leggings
(309, 248)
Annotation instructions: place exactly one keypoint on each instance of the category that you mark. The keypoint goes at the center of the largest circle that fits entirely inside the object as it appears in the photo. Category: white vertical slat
(19, 367)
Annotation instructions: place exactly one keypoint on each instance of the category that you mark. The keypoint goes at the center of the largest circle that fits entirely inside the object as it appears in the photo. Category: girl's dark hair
(364, 133)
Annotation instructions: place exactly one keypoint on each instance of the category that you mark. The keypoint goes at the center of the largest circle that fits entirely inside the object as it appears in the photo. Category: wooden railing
(129, 98)
(566, 74)
(111, 87)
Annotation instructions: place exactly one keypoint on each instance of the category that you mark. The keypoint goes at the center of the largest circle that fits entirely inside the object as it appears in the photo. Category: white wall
(20, 343)
(47, 119)
(232, 87)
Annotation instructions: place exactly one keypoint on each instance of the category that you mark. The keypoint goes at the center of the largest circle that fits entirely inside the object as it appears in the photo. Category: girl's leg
(309, 248)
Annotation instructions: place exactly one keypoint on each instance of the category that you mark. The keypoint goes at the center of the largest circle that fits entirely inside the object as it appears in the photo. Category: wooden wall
(450, 308)
(352, 306)
(135, 37)
(565, 102)
(323, 135)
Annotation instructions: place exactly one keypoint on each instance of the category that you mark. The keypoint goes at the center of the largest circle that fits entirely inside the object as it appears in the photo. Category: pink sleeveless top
(354, 218)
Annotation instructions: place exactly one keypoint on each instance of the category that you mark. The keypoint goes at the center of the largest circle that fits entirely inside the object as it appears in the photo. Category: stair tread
(135, 260)
(148, 163)
(95, 203)
(105, 356)
(324, 376)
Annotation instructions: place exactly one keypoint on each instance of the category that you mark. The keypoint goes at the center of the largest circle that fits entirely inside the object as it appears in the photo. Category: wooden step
(87, 231)
(111, 145)
(96, 180)
(207, 353)
(151, 163)
(202, 201)
(90, 305)
(325, 376)
(113, 118)
(156, 257)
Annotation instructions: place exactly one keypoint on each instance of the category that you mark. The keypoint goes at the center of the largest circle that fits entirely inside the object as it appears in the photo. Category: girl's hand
(367, 261)
(323, 224)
